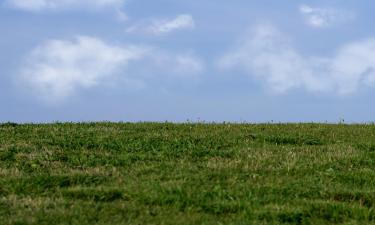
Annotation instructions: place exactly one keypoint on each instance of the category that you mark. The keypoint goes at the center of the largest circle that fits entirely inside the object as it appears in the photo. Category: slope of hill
(163, 173)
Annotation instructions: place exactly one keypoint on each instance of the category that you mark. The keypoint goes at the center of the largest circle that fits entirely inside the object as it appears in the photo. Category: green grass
(163, 173)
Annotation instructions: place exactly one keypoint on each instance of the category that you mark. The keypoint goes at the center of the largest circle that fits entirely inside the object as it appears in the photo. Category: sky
(187, 60)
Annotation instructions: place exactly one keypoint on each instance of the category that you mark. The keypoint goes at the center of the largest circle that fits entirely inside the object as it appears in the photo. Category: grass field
(162, 173)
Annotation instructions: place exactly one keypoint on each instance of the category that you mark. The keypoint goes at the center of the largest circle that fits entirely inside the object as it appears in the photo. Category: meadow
(190, 173)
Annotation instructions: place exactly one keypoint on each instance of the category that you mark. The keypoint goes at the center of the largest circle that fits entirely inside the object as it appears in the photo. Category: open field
(150, 173)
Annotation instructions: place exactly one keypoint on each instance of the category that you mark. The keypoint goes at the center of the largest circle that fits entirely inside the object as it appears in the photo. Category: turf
(163, 173)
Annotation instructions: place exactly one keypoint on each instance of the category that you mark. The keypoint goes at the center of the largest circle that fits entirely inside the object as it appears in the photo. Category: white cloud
(41, 5)
(324, 17)
(176, 64)
(121, 15)
(268, 55)
(163, 26)
(188, 63)
(57, 69)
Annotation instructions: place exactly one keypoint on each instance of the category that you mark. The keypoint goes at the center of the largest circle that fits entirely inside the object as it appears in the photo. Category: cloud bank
(163, 26)
(58, 67)
(42, 5)
(268, 55)
(324, 17)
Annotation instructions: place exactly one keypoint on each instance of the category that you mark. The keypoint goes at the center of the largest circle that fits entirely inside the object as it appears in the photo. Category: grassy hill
(162, 173)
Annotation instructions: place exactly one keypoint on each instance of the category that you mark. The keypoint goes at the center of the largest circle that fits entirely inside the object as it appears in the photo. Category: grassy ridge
(151, 173)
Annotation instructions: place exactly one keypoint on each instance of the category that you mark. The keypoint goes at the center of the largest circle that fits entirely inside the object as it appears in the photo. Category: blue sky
(179, 60)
